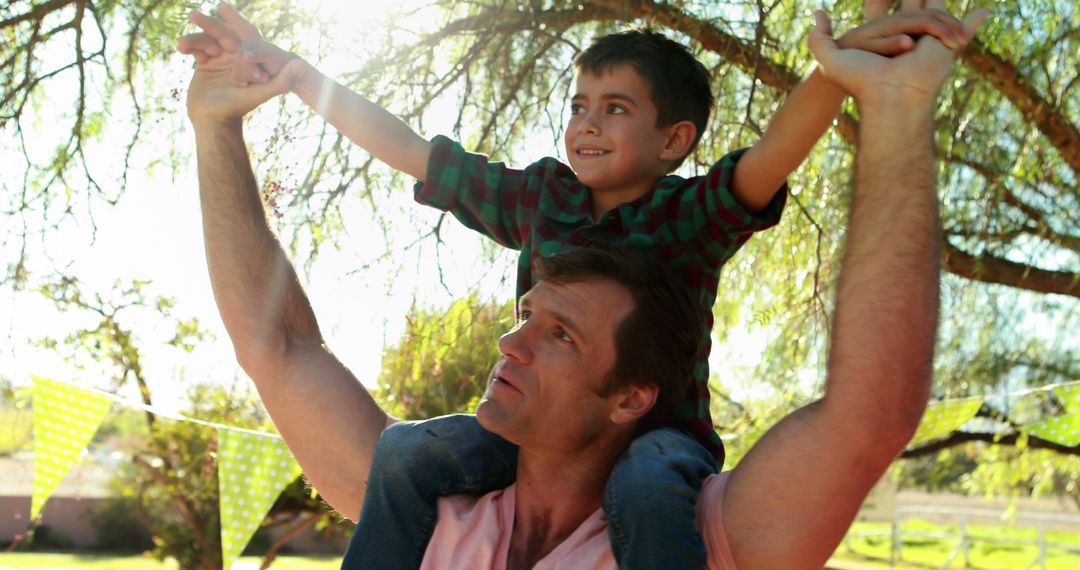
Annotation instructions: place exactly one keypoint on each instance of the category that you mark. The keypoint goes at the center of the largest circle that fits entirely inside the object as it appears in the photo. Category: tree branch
(991, 269)
(1032, 106)
(960, 438)
(37, 13)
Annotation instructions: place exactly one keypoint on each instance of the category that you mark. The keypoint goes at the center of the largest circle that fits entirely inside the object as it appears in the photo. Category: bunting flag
(944, 417)
(65, 420)
(1063, 429)
(253, 469)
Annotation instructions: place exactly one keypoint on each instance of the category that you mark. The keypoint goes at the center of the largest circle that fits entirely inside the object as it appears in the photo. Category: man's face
(544, 389)
(612, 140)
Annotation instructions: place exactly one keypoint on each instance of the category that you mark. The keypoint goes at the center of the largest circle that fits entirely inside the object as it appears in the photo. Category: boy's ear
(633, 402)
(680, 137)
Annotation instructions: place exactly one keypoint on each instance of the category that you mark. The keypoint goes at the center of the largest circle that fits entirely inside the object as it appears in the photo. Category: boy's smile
(612, 141)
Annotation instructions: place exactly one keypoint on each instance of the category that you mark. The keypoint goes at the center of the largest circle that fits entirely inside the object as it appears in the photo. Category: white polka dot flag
(945, 417)
(65, 420)
(253, 469)
(1063, 429)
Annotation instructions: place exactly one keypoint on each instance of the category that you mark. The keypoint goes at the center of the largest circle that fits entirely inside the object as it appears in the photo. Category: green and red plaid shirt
(694, 224)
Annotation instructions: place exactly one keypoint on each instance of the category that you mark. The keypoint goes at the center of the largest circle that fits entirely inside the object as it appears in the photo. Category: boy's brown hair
(680, 85)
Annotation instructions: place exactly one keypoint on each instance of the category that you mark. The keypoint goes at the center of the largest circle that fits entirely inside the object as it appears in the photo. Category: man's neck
(554, 496)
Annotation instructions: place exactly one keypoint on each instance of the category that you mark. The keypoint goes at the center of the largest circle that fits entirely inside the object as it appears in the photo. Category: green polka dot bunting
(1070, 397)
(65, 419)
(1063, 429)
(943, 418)
(252, 471)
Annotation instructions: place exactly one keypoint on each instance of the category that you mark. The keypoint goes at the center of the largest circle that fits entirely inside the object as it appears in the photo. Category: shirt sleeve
(489, 197)
(710, 522)
(707, 211)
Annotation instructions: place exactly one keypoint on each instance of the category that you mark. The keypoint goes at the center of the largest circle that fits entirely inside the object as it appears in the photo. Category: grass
(137, 562)
(992, 547)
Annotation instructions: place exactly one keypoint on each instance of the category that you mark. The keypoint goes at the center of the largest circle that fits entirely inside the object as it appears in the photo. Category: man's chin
(492, 417)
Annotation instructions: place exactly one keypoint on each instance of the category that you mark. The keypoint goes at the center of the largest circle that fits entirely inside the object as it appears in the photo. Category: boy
(640, 106)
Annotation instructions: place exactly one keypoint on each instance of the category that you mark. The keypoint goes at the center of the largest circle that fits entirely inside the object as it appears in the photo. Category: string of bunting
(946, 416)
(253, 467)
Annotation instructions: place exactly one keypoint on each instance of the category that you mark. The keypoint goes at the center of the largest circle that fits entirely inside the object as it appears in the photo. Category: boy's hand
(913, 78)
(896, 34)
(234, 34)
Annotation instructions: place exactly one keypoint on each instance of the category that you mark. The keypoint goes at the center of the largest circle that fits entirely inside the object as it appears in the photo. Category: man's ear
(680, 137)
(634, 401)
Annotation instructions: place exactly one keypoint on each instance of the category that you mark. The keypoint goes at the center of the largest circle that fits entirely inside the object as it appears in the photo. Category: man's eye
(562, 335)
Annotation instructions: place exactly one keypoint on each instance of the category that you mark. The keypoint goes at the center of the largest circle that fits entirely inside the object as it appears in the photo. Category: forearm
(274, 331)
(804, 117)
(366, 124)
(253, 281)
(888, 294)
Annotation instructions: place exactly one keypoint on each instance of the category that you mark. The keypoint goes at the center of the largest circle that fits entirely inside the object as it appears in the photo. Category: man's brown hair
(659, 340)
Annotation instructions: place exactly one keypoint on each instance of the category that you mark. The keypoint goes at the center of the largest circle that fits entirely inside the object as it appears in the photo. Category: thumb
(821, 41)
(973, 21)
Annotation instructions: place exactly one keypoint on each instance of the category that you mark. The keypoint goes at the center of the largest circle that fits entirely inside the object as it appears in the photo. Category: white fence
(965, 516)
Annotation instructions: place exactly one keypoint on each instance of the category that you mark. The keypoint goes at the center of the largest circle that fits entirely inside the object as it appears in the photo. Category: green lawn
(989, 551)
(993, 547)
(104, 562)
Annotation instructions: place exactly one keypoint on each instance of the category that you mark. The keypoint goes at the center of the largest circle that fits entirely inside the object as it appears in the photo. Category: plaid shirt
(694, 224)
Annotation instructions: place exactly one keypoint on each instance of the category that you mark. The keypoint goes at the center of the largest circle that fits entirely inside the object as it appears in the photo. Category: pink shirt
(474, 532)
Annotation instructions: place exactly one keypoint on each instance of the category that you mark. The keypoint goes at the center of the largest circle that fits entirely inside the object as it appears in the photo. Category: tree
(441, 364)
(171, 480)
(1009, 149)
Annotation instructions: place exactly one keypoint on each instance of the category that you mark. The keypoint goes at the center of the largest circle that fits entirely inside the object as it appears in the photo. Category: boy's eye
(562, 335)
(576, 109)
(614, 109)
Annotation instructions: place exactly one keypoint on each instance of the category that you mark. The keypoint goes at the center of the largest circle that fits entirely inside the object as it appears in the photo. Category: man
(815, 465)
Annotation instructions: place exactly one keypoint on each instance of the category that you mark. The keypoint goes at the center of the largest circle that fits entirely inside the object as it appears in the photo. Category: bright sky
(155, 234)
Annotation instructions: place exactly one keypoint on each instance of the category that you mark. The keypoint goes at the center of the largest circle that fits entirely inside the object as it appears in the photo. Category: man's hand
(911, 78)
(235, 69)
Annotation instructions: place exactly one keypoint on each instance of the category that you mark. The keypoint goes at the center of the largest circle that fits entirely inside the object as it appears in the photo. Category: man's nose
(517, 343)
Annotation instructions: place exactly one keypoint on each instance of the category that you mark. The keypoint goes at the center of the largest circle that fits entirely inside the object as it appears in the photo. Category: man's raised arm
(792, 498)
(327, 418)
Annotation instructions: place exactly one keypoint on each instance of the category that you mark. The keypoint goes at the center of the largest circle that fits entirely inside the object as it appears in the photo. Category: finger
(269, 56)
(942, 26)
(972, 23)
(820, 40)
(228, 40)
(874, 9)
(237, 23)
(892, 45)
(911, 5)
(199, 42)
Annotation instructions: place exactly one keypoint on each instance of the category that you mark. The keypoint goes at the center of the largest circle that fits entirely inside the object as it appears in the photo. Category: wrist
(896, 101)
(213, 128)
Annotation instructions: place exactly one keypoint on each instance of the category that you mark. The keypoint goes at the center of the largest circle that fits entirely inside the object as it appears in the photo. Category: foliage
(442, 362)
(170, 482)
(1008, 143)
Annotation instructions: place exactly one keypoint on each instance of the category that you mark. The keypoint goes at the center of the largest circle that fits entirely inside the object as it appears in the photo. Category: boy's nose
(588, 124)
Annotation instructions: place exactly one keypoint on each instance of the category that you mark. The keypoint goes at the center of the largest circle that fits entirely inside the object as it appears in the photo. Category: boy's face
(612, 140)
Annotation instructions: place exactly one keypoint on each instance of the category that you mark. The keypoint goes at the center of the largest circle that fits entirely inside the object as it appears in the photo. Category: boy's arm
(366, 124)
(812, 105)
